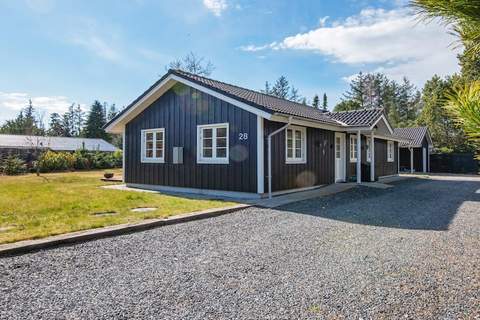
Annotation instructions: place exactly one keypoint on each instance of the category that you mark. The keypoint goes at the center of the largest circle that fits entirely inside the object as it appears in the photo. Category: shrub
(79, 160)
(13, 166)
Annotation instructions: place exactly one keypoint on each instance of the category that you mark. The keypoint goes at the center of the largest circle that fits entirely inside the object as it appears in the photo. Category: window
(295, 145)
(212, 143)
(369, 151)
(353, 148)
(390, 151)
(338, 148)
(153, 145)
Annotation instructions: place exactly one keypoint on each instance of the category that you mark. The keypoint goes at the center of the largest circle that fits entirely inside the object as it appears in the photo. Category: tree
(470, 64)
(112, 112)
(95, 122)
(193, 64)
(346, 105)
(78, 120)
(464, 105)
(445, 133)
(281, 89)
(26, 123)
(325, 103)
(55, 126)
(315, 101)
(464, 15)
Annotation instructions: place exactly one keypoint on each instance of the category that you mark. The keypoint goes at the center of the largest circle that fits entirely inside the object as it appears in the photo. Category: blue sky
(58, 51)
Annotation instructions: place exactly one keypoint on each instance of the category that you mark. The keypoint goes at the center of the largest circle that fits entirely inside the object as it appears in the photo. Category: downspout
(269, 142)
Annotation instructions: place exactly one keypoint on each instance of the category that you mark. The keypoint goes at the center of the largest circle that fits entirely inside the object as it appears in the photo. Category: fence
(454, 163)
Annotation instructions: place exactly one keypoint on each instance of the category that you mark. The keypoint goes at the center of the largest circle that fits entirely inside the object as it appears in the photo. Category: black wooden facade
(382, 166)
(179, 111)
(417, 157)
(319, 168)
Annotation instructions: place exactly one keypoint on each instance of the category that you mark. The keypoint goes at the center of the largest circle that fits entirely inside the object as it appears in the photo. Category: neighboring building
(26, 147)
(193, 134)
(415, 155)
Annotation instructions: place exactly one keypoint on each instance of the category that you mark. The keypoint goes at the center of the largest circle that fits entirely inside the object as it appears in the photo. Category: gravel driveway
(412, 251)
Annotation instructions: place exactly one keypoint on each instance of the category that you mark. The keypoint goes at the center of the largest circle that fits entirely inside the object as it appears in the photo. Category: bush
(79, 160)
(13, 166)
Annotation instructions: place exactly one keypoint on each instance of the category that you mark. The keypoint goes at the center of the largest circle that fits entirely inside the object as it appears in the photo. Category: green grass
(34, 207)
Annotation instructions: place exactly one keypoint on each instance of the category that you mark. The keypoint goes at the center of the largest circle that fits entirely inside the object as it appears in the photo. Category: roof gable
(415, 135)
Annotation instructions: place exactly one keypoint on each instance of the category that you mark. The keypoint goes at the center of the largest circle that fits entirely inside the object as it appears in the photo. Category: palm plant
(463, 15)
(464, 105)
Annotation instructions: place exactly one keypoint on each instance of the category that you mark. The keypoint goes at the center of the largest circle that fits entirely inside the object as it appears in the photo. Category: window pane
(159, 144)
(221, 142)
(207, 143)
(298, 134)
(207, 133)
(221, 152)
(149, 136)
(298, 143)
(289, 143)
(221, 132)
(207, 152)
(298, 153)
(149, 145)
(289, 134)
(149, 153)
(159, 153)
(289, 153)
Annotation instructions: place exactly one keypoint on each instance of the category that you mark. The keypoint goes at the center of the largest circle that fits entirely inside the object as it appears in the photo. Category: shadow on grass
(416, 204)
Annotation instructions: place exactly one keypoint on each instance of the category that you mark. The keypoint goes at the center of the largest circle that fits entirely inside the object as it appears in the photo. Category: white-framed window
(353, 148)
(338, 148)
(212, 143)
(295, 145)
(390, 151)
(153, 145)
(369, 150)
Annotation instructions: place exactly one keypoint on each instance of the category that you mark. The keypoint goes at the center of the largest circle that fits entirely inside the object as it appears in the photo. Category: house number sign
(243, 136)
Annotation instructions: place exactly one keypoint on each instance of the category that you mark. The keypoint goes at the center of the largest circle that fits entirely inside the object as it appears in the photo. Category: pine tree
(112, 112)
(281, 88)
(267, 89)
(55, 126)
(325, 103)
(95, 122)
(78, 120)
(315, 101)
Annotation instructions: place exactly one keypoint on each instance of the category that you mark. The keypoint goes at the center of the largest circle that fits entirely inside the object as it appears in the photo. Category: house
(189, 133)
(415, 155)
(10, 141)
(24, 146)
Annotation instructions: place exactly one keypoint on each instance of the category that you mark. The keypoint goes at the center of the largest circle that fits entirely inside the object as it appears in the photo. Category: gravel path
(412, 251)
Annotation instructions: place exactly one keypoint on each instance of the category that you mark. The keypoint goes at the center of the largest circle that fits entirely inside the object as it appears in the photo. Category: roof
(357, 118)
(259, 101)
(54, 143)
(415, 135)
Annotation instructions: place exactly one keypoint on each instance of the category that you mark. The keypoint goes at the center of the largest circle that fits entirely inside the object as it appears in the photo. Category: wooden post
(359, 157)
(372, 158)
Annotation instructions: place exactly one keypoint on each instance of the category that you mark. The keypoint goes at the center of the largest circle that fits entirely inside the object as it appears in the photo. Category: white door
(339, 157)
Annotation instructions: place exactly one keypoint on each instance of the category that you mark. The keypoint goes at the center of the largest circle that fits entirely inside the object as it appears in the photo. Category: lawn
(34, 207)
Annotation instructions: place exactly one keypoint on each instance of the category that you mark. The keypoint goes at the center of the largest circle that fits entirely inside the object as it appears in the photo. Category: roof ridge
(251, 90)
(359, 110)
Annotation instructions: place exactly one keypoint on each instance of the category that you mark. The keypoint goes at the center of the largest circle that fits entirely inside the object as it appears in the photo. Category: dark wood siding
(320, 166)
(382, 166)
(417, 157)
(179, 111)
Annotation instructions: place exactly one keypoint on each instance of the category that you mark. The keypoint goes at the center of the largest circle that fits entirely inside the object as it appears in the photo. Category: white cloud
(391, 41)
(12, 102)
(216, 6)
(98, 46)
(323, 21)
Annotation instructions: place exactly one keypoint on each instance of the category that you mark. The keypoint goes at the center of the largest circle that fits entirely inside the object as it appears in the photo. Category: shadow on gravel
(416, 204)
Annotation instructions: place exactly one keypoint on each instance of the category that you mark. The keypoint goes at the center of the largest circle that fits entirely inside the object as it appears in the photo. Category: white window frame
(303, 149)
(368, 150)
(390, 151)
(213, 159)
(352, 148)
(153, 159)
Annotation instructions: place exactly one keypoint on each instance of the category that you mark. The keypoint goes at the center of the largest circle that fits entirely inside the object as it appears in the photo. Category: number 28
(243, 136)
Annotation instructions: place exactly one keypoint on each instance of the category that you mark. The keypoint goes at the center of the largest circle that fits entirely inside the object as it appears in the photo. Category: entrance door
(339, 157)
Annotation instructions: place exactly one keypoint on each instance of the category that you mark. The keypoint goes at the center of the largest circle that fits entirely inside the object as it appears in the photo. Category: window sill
(153, 161)
(295, 161)
(213, 162)
(390, 160)
(353, 160)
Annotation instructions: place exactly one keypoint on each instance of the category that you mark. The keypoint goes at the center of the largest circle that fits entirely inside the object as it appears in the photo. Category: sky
(59, 52)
